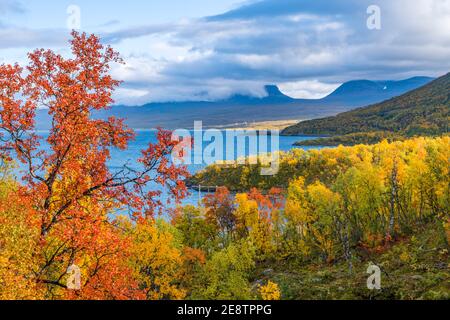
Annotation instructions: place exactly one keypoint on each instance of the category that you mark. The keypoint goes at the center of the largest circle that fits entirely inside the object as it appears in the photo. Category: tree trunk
(394, 184)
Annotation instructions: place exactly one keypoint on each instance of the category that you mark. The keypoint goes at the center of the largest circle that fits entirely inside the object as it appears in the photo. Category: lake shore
(265, 125)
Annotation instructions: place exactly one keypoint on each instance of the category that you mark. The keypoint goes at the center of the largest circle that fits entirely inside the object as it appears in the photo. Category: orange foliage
(69, 185)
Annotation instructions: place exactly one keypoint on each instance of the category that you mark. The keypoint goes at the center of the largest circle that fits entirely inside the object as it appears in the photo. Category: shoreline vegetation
(341, 210)
(311, 164)
(352, 139)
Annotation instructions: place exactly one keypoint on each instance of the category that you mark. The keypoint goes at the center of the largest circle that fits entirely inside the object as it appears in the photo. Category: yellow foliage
(404, 257)
(270, 291)
(157, 261)
(18, 238)
(251, 223)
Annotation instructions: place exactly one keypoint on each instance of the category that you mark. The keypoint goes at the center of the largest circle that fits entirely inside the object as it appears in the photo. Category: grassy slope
(413, 268)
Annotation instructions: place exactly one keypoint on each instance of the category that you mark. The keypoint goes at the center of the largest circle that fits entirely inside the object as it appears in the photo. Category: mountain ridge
(273, 91)
(243, 108)
(423, 111)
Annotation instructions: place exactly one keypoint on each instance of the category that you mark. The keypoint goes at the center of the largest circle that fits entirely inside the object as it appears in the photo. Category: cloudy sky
(211, 49)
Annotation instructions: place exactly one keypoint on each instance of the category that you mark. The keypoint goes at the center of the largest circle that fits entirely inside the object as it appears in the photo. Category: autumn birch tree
(69, 184)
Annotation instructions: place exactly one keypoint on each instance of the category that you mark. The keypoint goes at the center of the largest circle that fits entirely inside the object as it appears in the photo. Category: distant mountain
(364, 91)
(240, 109)
(423, 111)
(273, 95)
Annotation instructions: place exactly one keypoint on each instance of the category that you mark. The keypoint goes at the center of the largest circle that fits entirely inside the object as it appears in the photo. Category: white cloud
(306, 47)
(212, 58)
(308, 89)
(11, 37)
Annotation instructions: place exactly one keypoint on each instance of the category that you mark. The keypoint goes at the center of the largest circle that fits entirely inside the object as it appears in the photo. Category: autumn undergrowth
(415, 267)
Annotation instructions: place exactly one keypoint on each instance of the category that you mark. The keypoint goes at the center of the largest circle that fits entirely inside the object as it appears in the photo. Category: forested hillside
(342, 210)
(424, 111)
(328, 215)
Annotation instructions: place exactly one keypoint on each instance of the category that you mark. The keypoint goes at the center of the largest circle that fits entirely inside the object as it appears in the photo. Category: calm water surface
(144, 137)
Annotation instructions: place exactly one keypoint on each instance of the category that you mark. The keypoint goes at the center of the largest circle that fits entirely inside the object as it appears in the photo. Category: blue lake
(144, 137)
